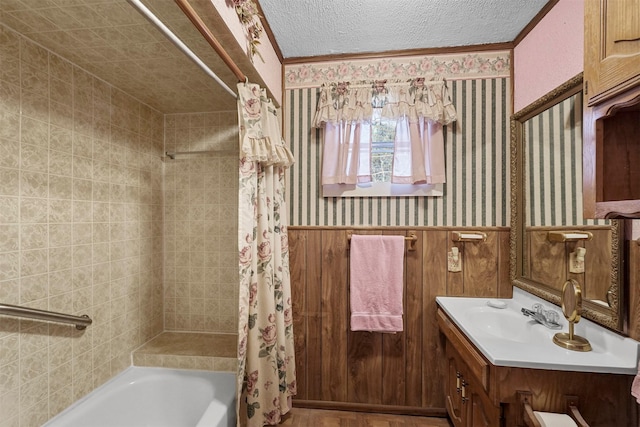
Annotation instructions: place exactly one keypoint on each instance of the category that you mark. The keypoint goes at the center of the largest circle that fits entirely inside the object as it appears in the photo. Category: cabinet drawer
(477, 364)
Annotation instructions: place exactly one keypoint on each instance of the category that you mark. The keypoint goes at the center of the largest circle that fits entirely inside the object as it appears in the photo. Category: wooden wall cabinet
(611, 146)
(612, 48)
(478, 393)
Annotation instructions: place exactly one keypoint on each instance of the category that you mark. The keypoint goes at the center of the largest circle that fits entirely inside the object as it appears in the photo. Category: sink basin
(506, 324)
(506, 337)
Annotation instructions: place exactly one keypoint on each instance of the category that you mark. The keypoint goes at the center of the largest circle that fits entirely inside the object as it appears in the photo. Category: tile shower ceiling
(113, 41)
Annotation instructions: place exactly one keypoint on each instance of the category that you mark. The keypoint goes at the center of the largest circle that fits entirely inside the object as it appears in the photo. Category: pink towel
(635, 386)
(377, 264)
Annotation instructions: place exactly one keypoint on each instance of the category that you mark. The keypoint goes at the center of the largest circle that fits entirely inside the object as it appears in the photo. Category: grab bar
(81, 322)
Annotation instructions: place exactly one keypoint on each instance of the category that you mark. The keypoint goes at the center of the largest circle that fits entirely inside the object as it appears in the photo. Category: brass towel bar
(568, 236)
(412, 238)
(468, 236)
(81, 322)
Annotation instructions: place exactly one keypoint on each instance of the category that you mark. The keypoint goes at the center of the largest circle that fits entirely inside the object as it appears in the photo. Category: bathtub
(156, 397)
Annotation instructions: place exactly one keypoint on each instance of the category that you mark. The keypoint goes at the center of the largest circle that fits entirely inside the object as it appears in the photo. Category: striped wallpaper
(477, 160)
(554, 166)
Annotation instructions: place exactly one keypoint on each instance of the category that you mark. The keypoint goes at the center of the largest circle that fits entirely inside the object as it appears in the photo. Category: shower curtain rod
(184, 48)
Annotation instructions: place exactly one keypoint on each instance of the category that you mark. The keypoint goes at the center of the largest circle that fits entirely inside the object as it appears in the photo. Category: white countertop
(506, 337)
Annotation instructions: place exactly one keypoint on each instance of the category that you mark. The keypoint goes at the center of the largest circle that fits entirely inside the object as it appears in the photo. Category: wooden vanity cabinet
(611, 146)
(478, 393)
(467, 382)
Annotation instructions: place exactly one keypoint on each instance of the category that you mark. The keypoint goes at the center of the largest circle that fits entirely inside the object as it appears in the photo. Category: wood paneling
(414, 318)
(333, 258)
(549, 261)
(368, 370)
(297, 251)
(480, 261)
(436, 277)
(596, 278)
(505, 289)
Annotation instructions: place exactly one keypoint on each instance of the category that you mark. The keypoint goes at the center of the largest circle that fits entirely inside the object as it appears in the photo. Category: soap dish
(496, 303)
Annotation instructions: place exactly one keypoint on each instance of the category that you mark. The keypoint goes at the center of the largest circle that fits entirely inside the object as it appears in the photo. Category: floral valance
(415, 98)
(260, 137)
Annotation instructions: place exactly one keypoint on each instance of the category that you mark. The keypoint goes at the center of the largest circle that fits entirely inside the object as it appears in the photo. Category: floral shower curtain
(266, 361)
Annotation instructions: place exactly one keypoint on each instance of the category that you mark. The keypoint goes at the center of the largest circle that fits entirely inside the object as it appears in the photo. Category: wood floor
(327, 418)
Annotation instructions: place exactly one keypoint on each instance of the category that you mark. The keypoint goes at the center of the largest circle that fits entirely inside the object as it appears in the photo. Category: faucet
(548, 318)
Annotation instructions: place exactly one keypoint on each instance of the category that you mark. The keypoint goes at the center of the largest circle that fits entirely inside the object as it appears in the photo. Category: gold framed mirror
(550, 240)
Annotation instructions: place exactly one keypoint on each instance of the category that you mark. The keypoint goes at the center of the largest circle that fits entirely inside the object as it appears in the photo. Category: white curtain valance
(413, 99)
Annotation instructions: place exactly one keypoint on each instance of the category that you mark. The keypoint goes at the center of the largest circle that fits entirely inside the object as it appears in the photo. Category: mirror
(571, 308)
(571, 301)
(550, 241)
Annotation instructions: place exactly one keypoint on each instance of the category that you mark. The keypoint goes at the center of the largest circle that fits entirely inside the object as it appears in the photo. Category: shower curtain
(266, 361)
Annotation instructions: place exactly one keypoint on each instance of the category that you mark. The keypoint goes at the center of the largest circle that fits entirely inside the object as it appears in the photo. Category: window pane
(382, 148)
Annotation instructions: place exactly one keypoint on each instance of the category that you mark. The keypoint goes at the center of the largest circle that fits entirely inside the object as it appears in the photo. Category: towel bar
(468, 236)
(568, 236)
(412, 238)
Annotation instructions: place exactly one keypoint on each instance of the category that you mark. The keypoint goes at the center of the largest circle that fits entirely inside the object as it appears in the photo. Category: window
(383, 139)
(383, 131)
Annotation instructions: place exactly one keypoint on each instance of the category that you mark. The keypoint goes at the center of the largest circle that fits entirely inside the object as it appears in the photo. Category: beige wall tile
(11, 149)
(84, 223)
(68, 192)
(9, 124)
(9, 182)
(195, 227)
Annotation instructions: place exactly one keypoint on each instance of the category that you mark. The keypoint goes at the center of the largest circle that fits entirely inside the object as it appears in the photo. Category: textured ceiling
(329, 27)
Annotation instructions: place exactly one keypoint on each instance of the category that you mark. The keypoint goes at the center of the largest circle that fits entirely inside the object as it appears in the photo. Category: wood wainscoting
(398, 373)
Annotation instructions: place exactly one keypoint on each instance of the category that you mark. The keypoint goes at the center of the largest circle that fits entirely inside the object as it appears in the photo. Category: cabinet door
(612, 48)
(481, 412)
(455, 406)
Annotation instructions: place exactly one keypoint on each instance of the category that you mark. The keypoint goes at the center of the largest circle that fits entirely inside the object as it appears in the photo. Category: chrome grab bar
(81, 322)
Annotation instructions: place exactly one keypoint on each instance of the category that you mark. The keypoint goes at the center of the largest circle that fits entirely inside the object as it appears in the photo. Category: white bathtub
(156, 397)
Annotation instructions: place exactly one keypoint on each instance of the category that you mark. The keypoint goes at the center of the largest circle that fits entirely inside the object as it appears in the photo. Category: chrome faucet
(548, 318)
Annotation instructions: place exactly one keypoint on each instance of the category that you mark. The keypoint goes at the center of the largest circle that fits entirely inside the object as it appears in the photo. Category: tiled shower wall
(201, 225)
(80, 229)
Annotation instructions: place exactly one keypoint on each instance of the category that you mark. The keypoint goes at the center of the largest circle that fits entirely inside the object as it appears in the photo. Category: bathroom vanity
(495, 353)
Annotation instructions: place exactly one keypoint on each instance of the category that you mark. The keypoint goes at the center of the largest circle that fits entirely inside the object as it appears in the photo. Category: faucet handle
(552, 316)
(537, 307)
